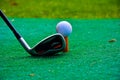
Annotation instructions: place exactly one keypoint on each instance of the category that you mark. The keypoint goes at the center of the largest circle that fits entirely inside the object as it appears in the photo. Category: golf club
(48, 46)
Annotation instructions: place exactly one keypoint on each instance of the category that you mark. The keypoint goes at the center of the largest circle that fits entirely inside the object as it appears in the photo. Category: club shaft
(17, 35)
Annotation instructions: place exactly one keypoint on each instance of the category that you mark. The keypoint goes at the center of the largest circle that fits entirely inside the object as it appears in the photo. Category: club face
(50, 45)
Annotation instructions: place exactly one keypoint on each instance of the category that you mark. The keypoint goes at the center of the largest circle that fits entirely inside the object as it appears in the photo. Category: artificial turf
(92, 55)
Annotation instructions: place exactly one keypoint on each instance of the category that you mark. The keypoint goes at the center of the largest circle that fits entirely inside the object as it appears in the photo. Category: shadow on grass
(36, 57)
(47, 56)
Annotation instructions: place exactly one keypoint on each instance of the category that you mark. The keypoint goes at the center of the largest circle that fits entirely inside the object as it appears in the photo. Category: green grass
(91, 55)
(61, 8)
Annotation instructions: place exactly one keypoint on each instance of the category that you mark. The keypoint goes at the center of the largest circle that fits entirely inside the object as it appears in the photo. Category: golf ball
(64, 27)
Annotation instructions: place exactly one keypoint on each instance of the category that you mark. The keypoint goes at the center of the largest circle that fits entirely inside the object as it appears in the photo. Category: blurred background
(61, 8)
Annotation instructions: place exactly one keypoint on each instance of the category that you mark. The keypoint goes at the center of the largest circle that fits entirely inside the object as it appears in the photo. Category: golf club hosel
(24, 44)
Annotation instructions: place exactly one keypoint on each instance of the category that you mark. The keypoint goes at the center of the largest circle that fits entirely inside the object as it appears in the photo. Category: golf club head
(49, 46)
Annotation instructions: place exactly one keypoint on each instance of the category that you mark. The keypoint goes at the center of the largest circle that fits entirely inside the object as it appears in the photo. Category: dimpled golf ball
(64, 27)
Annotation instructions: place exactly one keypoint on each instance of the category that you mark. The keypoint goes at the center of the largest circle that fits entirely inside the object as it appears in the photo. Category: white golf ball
(64, 27)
